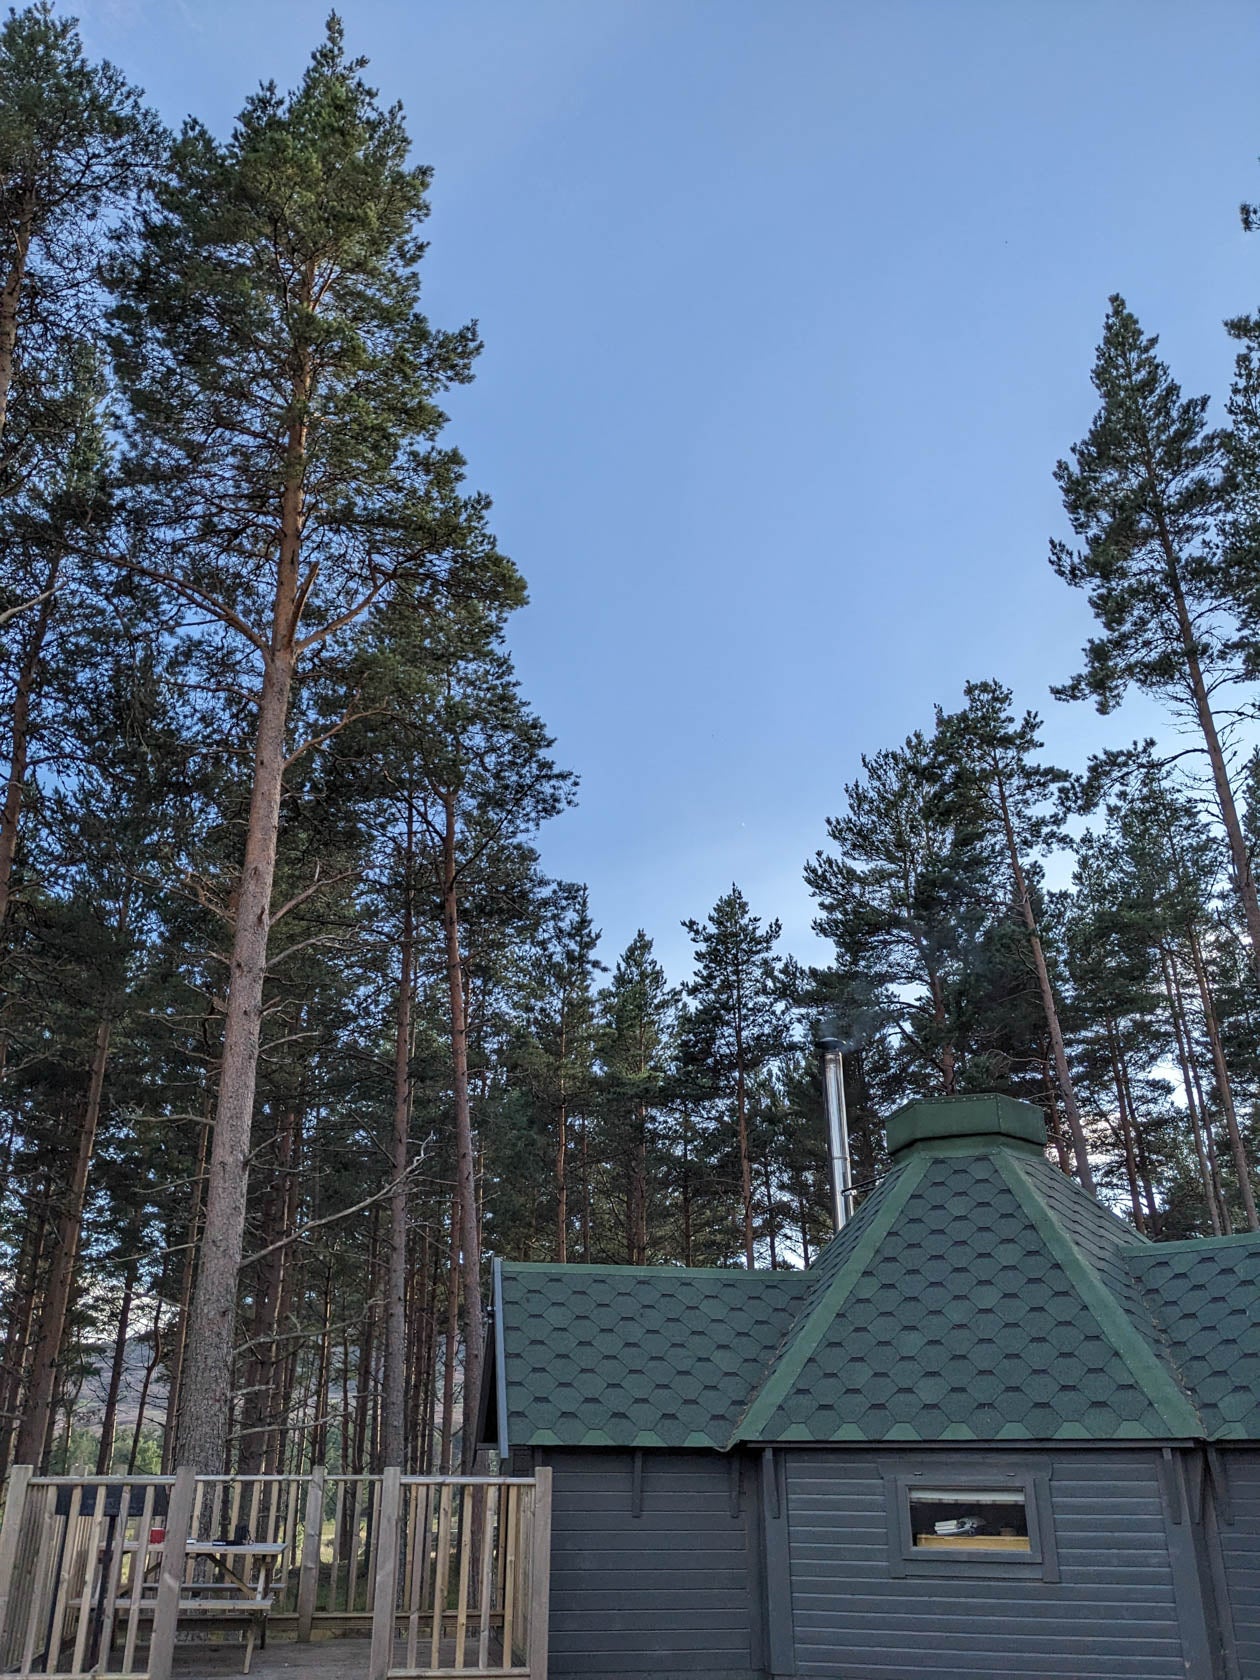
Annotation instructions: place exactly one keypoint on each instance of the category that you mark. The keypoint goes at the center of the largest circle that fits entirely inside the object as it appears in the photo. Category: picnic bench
(227, 1583)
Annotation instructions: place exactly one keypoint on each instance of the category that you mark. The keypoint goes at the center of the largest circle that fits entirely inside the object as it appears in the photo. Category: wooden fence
(448, 1574)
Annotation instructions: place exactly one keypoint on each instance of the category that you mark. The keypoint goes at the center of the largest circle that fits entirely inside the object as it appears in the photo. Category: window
(969, 1519)
(952, 1516)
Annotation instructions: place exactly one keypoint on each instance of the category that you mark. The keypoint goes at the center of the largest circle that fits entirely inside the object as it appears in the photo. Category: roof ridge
(1114, 1322)
(664, 1269)
(811, 1323)
(1188, 1245)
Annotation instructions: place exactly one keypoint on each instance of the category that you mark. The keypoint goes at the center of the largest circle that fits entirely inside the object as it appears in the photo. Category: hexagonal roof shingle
(978, 1294)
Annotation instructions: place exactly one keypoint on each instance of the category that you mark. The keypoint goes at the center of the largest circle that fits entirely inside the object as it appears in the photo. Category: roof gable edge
(783, 1372)
(1132, 1348)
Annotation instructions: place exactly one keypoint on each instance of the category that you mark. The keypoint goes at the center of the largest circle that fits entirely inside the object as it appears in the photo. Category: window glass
(971, 1519)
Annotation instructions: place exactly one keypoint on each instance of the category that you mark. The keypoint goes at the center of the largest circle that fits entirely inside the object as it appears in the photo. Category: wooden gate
(448, 1574)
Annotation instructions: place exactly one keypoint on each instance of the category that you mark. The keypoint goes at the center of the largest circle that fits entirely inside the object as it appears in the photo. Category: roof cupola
(991, 1118)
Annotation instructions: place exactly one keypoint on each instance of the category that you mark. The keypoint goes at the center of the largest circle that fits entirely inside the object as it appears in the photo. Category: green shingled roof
(625, 1356)
(978, 1295)
(967, 1312)
(1206, 1296)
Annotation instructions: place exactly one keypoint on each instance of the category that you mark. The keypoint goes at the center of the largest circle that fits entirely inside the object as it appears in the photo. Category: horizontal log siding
(1111, 1614)
(1240, 1545)
(668, 1592)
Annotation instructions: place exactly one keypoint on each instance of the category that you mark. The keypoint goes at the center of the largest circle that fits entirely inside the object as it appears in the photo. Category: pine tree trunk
(1126, 1131)
(417, 1326)
(770, 1226)
(465, 1171)
(1240, 855)
(949, 1058)
(745, 1159)
(282, 1371)
(11, 298)
(1214, 1160)
(1223, 1085)
(187, 1279)
(21, 1316)
(584, 1162)
(1049, 1004)
(562, 1185)
(394, 1400)
(323, 1379)
(1187, 1085)
(142, 1404)
(686, 1195)
(259, 1398)
(1145, 1176)
(452, 1344)
(1056, 1125)
(36, 1425)
(109, 1418)
(367, 1357)
(201, 1435)
(637, 1197)
(19, 735)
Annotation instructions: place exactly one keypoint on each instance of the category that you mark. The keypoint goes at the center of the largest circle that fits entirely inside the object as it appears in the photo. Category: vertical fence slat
(510, 1595)
(312, 1542)
(467, 1510)
(441, 1574)
(41, 1576)
(116, 1555)
(352, 1556)
(291, 1531)
(61, 1584)
(338, 1508)
(166, 1615)
(539, 1574)
(419, 1569)
(10, 1532)
(87, 1592)
(385, 1544)
(489, 1517)
(139, 1569)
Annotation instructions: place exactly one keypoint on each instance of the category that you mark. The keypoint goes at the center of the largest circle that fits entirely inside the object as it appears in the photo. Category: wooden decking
(282, 1660)
(285, 1660)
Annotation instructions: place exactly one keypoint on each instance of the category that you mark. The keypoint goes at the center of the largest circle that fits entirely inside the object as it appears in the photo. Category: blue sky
(789, 309)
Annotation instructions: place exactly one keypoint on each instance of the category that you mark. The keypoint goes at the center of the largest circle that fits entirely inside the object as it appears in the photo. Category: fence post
(539, 1574)
(385, 1596)
(14, 1508)
(171, 1580)
(312, 1539)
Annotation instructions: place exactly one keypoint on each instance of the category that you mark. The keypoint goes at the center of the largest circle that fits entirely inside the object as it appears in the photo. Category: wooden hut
(990, 1432)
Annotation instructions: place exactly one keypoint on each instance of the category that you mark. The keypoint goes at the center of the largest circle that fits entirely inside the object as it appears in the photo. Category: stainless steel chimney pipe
(837, 1125)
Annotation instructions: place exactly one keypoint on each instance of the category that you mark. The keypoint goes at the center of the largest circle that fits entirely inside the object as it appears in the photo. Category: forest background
(298, 1028)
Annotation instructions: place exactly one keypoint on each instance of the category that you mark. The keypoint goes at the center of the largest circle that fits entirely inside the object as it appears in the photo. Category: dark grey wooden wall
(1240, 1547)
(672, 1591)
(1113, 1613)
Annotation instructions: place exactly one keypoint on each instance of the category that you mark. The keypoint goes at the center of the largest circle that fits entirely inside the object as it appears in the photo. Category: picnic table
(225, 1582)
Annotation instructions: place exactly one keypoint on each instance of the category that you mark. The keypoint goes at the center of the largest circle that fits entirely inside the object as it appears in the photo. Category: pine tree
(1146, 493)
(736, 1025)
(283, 476)
(984, 749)
(905, 899)
(76, 143)
(478, 763)
(636, 1046)
(559, 1060)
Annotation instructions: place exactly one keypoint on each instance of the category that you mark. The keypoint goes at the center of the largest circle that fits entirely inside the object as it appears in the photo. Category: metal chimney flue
(841, 1174)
